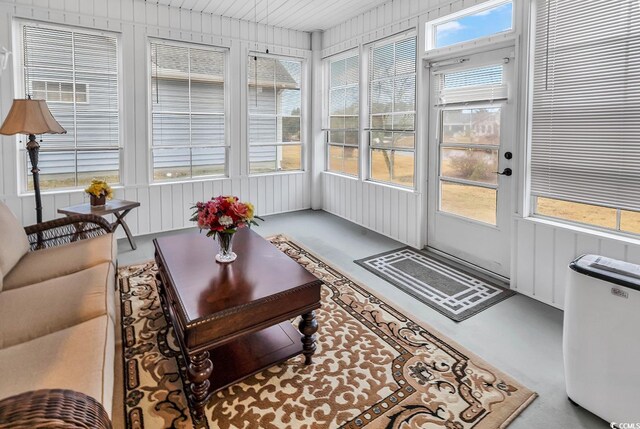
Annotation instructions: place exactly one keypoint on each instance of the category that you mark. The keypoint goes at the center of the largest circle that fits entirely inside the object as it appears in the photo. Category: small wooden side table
(119, 208)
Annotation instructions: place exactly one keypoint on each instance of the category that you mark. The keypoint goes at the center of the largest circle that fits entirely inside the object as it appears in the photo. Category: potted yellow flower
(99, 192)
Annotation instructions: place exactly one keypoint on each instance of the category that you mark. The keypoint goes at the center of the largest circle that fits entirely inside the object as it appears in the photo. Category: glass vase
(225, 254)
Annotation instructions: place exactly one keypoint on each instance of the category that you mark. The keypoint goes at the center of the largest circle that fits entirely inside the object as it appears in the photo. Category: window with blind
(585, 144)
(275, 109)
(188, 99)
(344, 106)
(76, 72)
(392, 100)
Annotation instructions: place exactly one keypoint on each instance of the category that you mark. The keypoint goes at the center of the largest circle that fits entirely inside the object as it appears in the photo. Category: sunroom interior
(319, 214)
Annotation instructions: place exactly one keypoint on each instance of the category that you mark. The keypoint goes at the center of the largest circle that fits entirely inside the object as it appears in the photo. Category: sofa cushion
(79, 358)
(33, 311)
(14, 240)
(52, 262)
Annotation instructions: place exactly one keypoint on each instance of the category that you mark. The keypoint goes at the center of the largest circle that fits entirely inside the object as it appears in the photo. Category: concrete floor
(520, 336)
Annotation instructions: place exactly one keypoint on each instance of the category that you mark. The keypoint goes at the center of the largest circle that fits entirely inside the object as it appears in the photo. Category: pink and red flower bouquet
(224, 214)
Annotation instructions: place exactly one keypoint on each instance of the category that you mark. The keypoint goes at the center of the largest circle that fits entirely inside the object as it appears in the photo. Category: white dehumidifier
(601, 340)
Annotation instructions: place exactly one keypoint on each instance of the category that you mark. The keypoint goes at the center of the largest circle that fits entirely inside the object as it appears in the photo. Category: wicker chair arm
(66, 230)
(53, 408)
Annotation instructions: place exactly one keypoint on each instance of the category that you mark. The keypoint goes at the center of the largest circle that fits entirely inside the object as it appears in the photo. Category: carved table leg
(200, 368)
(308, 327)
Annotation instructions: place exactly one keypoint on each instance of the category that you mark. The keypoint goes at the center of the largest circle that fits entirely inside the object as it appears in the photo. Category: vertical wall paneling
(163, 206)
(545, 249)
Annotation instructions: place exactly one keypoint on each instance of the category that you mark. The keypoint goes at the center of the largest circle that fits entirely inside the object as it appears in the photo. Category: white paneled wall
(164, 206)
(388, 210)
(545, 249)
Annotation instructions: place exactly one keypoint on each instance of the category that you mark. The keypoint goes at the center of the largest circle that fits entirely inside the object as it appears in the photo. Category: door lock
(506, 172)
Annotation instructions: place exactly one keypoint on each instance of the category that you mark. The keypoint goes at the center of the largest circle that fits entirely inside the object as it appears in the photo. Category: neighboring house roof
(269, 72)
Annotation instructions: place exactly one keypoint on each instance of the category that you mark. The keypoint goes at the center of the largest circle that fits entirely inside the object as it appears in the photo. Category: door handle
(506, 172)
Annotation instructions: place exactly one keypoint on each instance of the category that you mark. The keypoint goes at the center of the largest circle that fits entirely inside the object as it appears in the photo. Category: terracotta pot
(98, 201)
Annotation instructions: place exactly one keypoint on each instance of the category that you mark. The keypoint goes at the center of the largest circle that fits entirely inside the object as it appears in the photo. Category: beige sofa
(57, 306)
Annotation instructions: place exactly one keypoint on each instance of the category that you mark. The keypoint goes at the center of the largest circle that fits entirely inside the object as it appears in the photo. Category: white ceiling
(305, 15)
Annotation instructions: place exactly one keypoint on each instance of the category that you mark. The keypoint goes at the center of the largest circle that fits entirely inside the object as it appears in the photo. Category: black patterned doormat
(453, 291)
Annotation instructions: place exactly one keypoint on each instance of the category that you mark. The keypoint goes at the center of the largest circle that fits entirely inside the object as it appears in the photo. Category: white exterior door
(471, 179)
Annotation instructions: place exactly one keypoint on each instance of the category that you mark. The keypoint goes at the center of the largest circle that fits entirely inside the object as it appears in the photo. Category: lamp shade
(30, 117)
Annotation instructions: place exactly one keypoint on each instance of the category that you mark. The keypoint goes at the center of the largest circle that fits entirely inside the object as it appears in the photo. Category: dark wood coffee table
(232, 320)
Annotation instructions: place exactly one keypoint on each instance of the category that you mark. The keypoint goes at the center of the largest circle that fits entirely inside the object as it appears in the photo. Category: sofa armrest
(66, 230)
(53, 408)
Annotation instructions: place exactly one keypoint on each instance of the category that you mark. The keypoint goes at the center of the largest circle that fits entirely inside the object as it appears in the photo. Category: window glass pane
(336, 137)
(102, 165)
(57, 170)
(478, 165)
(209, 161)
(351, 138)
(290, 157)
(263, 129)
(171, 129)
(171, 164)
(207, 130)
(290, 128)
(577, 212)
(392, 166)
(630, 221)
(403, 168)
(471, 126)
(263, 159)
(472, 202)
(337, 122)
(97, 129)
(207, 96)
(474, 26)
(381, 165)
(343, 159)
(404, 94)
(351, 160)
(336, 158)
(289, 102)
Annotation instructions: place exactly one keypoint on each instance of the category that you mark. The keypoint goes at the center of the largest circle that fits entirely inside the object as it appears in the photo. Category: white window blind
(188, 111)
(343, 120)
(392, 100)
(76, 72)
(474, 84)
(275, 109)
(586, 103)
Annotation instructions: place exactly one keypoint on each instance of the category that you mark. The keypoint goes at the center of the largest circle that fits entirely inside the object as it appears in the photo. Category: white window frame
(430, 26)
(303, 112)
(326, 108)
(227, 145)
(20, 88)
(365, 114)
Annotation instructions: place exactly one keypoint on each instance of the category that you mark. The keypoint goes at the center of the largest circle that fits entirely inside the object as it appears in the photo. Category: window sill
(197, 180)
(278, 173)
(340, 175)
(30, 194)
(582, 229)
(392, 186)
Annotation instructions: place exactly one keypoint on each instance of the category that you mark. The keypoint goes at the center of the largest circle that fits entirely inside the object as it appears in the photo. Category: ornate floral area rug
(374, 368)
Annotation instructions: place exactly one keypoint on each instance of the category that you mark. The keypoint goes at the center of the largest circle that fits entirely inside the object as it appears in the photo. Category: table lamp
(31, 117)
